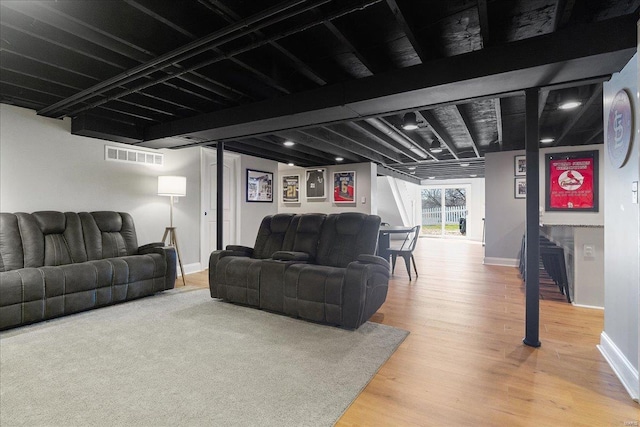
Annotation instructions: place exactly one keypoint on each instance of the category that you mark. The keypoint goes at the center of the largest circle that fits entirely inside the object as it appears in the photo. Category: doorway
(444, 211)
(231, 200)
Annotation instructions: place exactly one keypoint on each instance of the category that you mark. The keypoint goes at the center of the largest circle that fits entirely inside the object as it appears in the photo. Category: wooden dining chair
(405, 250)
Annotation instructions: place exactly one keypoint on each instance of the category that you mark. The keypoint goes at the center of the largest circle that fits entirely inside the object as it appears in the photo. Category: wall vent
(139, 157)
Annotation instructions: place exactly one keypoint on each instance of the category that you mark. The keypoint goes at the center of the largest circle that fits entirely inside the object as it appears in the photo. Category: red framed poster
(572, 181)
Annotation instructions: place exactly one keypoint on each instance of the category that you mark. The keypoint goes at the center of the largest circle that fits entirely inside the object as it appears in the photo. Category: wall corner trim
(625, 371)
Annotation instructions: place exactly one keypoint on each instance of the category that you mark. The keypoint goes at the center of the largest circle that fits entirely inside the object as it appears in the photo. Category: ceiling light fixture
(409, 121)
(290, 164)
(435, 147)
(411, 168)
(568, 105)
(547, 140)
(288, 143)
(464, 165)
(432, 177)
(473, 175)
(339, 159)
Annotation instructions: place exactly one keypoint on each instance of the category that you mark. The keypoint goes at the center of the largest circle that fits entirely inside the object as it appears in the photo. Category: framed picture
(344, 187)
(520, 188)
(316, 182)
(291, 189)
(259, 186)
(520, 165)
(572, 181)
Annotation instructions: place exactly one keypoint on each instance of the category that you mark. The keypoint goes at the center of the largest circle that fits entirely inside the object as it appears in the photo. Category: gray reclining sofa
(313, 266)
(55, 263)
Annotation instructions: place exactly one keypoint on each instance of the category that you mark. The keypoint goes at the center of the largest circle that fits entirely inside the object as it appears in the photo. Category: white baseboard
(596, 307)
(190, 268)
(625, 371)
(504, 262)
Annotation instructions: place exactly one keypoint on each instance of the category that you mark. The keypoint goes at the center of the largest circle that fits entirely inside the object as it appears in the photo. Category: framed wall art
(344, 187)
(520, 188)
(316, 182)
(520, 165)
(572, 181)
(291, 188)
(259, 186)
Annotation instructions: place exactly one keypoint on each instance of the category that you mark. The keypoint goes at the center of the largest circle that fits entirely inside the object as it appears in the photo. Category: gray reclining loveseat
(312, 266)
(55, 263)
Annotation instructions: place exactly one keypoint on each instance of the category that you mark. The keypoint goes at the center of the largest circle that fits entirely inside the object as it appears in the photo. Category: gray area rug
(181, 358)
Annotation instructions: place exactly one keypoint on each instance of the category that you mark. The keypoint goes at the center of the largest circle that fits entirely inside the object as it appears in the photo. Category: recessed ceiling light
(547, 140)
(339, 159)
(413, 172)
(436, 150)
(473, 175)
(432, 177)
(464, 165)
(569, 105)
(288, 143)
(411, 168)
(290, 164)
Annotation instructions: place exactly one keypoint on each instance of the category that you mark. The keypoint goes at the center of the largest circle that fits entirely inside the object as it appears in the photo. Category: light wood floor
(464, 362)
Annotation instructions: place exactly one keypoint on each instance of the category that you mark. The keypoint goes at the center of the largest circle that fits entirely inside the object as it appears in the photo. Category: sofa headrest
(107, 221)
(51, 222)
(310, 223)
(280, 223)
(350, 223)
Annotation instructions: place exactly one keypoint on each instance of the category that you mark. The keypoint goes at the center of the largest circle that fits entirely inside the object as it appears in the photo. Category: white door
(230, 183)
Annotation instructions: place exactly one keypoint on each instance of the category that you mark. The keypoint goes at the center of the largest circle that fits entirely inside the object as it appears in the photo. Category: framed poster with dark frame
(316, 183)
(572, 181)
(291, 188)
(344, 187)
(520, 165)
(520, 188)
(259, 186)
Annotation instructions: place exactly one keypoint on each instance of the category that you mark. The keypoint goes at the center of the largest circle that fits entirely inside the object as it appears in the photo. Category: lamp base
(173, 241)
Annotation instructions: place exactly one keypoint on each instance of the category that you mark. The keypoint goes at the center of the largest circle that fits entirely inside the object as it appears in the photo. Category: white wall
(44, 167)
(475, 202)
(251, 213)
(621, 336)
(504, 214)
(395, 195)
(366, 190)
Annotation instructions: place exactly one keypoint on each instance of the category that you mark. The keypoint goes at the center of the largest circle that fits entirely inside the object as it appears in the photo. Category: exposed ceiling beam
(551, 59)
(462, 116)
(498, 108)
(381, 138)
(313, 142)
(231, 16)
(338, 34)
(263, 152)
(299, 148)
(365, 141)
(544, 95)
(440, 132)
(596, 96)
(407, 27)
(394, 123)
(292, 153)
(331, 137)
(387, 171)
(563, 11)
(483, 18)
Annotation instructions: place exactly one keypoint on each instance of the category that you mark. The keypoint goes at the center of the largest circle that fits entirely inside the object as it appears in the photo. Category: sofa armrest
(290, 256)
(240, 250)
(373, 259)
(365, 290)
(169, 255)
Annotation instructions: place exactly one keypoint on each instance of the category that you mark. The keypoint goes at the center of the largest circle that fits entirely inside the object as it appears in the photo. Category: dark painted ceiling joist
(383, 170)
(596, 96)
(542, 61)
(313, 142)
(407, 27)
(440, 132)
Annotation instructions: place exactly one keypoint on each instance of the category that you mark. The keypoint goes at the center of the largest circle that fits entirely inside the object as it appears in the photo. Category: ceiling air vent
(117, 154)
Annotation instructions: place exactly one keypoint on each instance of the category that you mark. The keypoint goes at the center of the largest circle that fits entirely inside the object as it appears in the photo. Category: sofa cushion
(62, 235)
(307, 233)
(11, 251)
(314, 292)
(108, 234)
(276, 233)
(345, 236)
(238, 279)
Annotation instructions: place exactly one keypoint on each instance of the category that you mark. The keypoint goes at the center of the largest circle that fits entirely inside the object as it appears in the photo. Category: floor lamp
(173, 186)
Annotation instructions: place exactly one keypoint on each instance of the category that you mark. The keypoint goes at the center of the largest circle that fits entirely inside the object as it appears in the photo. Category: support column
(532, 276)
(219, 194)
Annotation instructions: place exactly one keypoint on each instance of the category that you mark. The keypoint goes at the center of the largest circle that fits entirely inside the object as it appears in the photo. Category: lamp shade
(172, 186)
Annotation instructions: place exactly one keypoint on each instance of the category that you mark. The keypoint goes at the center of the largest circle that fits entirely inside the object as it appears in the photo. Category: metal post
(219, 194)
(532, 297)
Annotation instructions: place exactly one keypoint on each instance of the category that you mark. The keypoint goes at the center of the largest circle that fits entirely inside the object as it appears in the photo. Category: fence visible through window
(444, 211)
